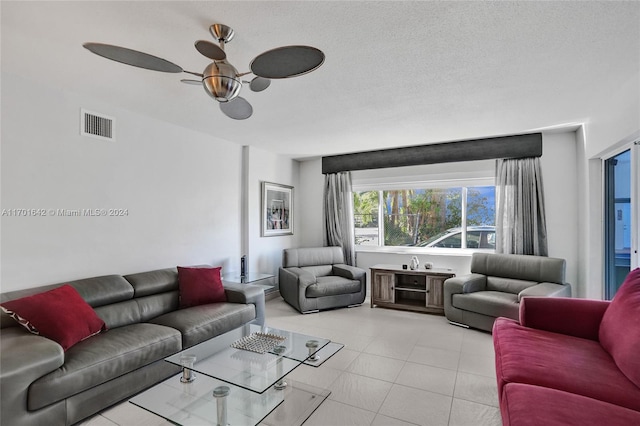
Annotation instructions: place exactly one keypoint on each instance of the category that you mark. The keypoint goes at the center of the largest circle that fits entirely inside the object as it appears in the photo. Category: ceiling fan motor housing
(221, 82)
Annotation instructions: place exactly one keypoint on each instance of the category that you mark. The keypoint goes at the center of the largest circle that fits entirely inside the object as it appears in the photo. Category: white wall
(181, 190)
(265, 253)
(559, 165)
(310, 196)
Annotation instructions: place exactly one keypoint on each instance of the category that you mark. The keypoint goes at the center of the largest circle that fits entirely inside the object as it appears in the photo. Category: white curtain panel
(520, 213)
(338, 214)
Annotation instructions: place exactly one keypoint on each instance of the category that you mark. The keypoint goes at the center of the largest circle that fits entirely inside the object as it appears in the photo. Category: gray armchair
(496, 285)
(312, 279)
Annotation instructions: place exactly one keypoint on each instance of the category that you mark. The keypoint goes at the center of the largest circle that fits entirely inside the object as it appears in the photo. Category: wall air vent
(97, 125)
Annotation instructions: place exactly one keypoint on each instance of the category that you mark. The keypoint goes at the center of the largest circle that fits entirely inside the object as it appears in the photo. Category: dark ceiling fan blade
(210, 50)
(258, 84)
(287, 61)
(238, 108)
(132, 57)
(194, 82)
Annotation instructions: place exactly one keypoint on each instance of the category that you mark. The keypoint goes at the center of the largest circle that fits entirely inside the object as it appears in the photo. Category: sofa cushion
(102, 358)
(525, 405)
(332, 286)
(620, 329)
(491, 303)
(104, 290)
(508, 285)
(59, 314)
(312, 256)
(153, 282)
(518, 266)
(199, 286)
(199, 323)
(567, 363)
(319, 270)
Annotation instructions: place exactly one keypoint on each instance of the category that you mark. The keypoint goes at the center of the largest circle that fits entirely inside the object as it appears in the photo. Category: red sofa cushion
(61, 315)
(524, 405)
(200, 286)
(620, 327)
(553, 360)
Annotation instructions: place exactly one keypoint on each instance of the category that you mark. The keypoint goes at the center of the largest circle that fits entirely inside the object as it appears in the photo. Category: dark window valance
(517, 146)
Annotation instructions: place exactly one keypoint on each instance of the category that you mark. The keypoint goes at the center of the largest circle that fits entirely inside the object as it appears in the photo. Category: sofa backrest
(98, 292)
(316, 256)
(619, 332)
(516, 267)
(508, 285)
(116, 299)
(156, 292)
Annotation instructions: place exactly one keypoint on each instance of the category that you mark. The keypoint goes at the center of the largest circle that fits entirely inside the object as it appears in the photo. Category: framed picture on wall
(277, 209)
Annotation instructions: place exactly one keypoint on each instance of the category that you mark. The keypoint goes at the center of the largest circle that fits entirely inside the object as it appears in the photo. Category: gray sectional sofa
(41, 384)
(496, 285)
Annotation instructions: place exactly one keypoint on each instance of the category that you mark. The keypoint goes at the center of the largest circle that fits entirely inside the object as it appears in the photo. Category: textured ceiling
(396, 73)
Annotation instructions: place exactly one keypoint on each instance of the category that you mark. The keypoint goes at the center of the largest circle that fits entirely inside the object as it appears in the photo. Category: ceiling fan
(220, 79)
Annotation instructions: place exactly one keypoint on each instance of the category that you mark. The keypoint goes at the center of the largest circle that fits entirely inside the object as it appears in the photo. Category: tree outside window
(414, 217)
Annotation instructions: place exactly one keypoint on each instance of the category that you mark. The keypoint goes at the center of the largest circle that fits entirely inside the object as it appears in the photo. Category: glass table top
(257, 391)
(249, 278)
(250, 370)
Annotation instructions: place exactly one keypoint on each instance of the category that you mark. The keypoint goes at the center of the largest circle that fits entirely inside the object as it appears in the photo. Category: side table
(265, 281)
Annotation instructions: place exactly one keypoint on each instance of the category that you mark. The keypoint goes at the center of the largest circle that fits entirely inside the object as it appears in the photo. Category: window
(450, 217)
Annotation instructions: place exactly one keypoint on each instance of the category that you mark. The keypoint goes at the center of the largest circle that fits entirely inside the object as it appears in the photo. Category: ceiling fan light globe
(221, 82)
(222, 89)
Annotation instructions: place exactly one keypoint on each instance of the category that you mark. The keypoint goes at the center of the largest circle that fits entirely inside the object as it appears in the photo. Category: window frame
(400, 184)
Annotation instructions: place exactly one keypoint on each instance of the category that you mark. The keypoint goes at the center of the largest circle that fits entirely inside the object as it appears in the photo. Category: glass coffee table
(223, 385)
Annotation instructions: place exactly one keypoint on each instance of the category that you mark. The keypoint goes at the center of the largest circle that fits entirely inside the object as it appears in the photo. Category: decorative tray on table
(258, 342)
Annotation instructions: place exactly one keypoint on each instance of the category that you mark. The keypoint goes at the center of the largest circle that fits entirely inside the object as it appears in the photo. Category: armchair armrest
(574, 317)
(348, 271)
(300, 277)
(469, 283)
(546, 290)
(247, 293)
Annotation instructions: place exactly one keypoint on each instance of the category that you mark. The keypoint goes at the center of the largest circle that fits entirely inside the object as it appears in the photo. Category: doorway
(618, 229)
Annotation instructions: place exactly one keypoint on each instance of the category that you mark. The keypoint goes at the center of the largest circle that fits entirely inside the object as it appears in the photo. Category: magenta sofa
(571, 361)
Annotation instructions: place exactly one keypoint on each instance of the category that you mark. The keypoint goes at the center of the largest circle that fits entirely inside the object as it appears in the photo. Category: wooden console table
(414, 290)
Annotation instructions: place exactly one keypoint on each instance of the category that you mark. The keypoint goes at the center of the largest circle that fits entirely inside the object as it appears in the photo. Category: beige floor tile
(441, 339)
(417, 406)
(359, 391)
(342, 359)
(477, 342)
(376, 367)
(480, 389)
(97, 420)
(426, 377)
(321, 377)
(435, 357)
(332, 413)
(479, 364)
(128, 414)
(381, 420)
(390, 347)
(467, 413)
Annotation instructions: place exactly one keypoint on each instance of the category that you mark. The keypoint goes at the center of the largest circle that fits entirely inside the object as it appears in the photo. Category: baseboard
(272, 295)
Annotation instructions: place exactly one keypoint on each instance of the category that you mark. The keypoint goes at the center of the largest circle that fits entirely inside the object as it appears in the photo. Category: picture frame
(276, 210)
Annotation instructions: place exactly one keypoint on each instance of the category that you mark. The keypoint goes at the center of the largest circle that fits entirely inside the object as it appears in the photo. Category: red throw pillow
(199, 286)
(620, 329)
(61, 315)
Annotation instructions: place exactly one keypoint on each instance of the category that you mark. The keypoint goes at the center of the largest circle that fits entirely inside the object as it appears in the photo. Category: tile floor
(397, 368)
